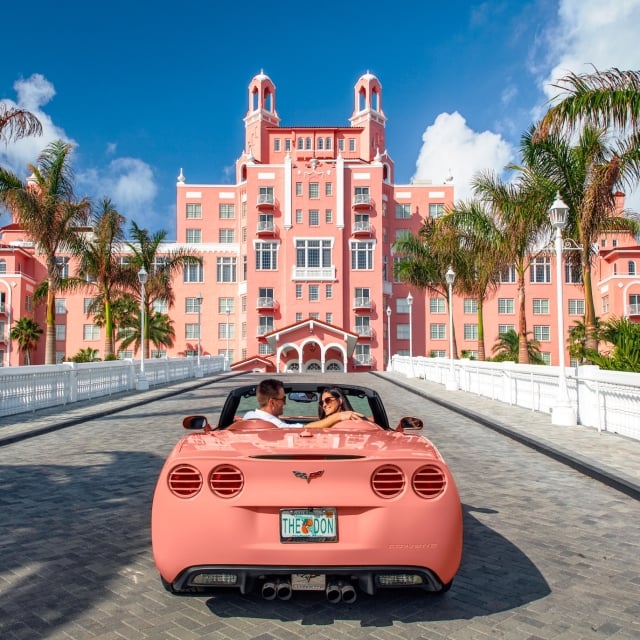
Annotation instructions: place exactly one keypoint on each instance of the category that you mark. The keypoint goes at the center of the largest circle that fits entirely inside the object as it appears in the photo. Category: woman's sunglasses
(328, 400)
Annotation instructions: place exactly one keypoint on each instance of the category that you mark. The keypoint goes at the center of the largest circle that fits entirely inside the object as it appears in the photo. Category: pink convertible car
(358, 507)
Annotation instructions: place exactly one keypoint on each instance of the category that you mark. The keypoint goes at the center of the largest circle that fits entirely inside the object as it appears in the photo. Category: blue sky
(143, 89)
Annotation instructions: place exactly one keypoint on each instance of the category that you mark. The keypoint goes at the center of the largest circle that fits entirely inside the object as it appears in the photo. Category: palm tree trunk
(50, 335)
(109, 346)
(591, 341)
(523, 350)
(481, 348)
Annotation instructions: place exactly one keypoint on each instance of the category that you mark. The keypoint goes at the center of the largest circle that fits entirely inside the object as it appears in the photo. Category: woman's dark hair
(345, 405)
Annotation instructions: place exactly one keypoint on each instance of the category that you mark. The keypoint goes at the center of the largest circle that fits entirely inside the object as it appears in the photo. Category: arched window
(300, 143)
(319, 143)
(327, 143)
(632, 268)
(307, 143)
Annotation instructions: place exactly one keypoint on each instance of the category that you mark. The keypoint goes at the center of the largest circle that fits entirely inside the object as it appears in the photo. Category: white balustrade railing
(605, 400)
(25, 389)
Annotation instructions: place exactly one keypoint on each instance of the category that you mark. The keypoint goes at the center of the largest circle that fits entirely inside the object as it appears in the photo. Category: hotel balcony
(266, 303)
(266, 228)
(363, 360)
(362, 201)
(262, 331)
(266, 201)
(362, 229)
(364, 332)
(313, 273)
(634, 309)
(362, 303)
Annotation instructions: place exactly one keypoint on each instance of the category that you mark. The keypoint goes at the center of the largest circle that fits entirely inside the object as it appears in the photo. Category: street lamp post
(8, 304)
(198, 364)
(451, 384)
(410, 305)
(227, 359)
(562, 413)
(142, 384)
(388, 338)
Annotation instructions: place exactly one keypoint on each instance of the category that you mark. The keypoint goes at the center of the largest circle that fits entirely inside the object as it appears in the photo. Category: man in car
(271, 400)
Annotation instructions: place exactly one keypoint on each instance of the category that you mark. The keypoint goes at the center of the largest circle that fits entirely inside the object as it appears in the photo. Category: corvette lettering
(308, 476)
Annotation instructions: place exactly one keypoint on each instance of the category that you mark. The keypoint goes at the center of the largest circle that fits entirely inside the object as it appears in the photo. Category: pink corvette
(355, 508)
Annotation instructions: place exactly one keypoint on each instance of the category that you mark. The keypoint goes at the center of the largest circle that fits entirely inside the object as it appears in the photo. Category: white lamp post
(562, 413)
(198, 364)
(451, 384)
(410, 305)
(227, 359)
(388, 338)
(8, 304)
(142, 383)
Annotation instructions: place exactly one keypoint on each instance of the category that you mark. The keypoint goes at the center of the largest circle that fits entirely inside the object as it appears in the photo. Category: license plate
(309, 525)
(308, 582)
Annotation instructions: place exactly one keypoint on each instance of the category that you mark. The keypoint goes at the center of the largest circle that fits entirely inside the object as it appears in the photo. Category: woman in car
(331, 401)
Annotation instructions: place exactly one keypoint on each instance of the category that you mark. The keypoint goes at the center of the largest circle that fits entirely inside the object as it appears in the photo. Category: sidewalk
(607, 457)
(604, 456)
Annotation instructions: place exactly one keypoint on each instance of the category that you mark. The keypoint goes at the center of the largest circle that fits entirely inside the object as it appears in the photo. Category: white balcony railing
(265, 303)
(265, 226)
(362, 303)
(314, 273)
(262, 331)
(362, 227)
(363, 360)
(361, 199)
(364, 332)
(634, 309)
(265, 198)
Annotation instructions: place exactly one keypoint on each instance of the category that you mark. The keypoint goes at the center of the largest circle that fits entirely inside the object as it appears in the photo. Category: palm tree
(159, 330)
(603, 99)
(424, 262)
(46, 208)
(507, 348)
(100, 271)
(161, 266)
(587, 174)
(86, 355)
(27, 332)
(17, 123)
(520, 212)
(624, 336)
(476, 244)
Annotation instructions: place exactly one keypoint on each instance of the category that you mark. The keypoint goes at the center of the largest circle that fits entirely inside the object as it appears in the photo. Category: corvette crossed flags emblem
(308, 476)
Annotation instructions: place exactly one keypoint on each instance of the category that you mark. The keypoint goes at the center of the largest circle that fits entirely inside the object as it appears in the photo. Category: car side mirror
(409, 423)
(196, 423)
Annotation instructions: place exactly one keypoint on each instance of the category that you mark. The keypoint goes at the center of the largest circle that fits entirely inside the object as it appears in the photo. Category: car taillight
(388, 481)
(226, 481)
(429, 481)
(184, 481)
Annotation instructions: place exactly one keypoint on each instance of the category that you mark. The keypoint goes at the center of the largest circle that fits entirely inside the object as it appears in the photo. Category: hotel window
(402, 331)
(265, 325)
(540, 270)
(226, 211)
(243, 210)
(61, 331)
(63, 267)
(546, 357)
(631, 268)
(328, 216)
(193, 271)
(300, 143)
(328, 188)
(437, 305)
(437, 331)
(226, 236)
(436, 210)
(572, 273)
(315, 315)
(341, 144)
(191, 331)
(508, 274)
(327, 143)
(298, 317)
(276, 144)
(470, 305)
(298, 216)
(319, 143)
(352, 144)
(61, 305)
(505, 305)
(605, 304)
(307, 143)
(243, 330)
(328, 291)
(191, 305)
(226, 269)
(314, 293)
(226, 303)
(362, 255)
(194, 211)
(243, 233)
(505, 328)
(313, 253)
(160, 306)
(314, 217)
(90, 332)
(403, 211)
(226, 330)
(3, 266)
(329, 318)
(287, 144)
(266, 256)
(470, 331)
(576, 307)
(403, 234)
(298, 188)
(540, 306)
(86, 304)
(298, 292)
(314, 190)
(243, 304)
(541, 332)
(194, 236)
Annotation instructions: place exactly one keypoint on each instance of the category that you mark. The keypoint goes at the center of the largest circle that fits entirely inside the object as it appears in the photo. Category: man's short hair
(268, 389)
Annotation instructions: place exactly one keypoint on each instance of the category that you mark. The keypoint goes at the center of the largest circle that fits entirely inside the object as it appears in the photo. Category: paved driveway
(548, 552)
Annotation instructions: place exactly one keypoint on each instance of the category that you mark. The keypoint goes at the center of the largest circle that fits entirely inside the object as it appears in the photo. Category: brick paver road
(549, 553)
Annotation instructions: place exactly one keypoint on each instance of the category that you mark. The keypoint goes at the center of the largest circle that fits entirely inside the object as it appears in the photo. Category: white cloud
(450, 147)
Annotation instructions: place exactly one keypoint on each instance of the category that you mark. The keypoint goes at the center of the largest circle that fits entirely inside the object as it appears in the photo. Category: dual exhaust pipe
(335, 591)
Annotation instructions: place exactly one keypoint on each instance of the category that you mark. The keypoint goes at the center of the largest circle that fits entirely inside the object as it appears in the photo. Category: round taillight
(226, 481)
(429, 481)
(388, 481)
(185, 481)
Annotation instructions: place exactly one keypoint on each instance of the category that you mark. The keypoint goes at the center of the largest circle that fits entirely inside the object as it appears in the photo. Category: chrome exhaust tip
(269, 591)
(348, 593)
(333, 593)
(284, 590)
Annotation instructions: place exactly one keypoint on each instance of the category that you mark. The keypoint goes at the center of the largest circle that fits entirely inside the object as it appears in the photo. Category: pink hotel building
(297, 259)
